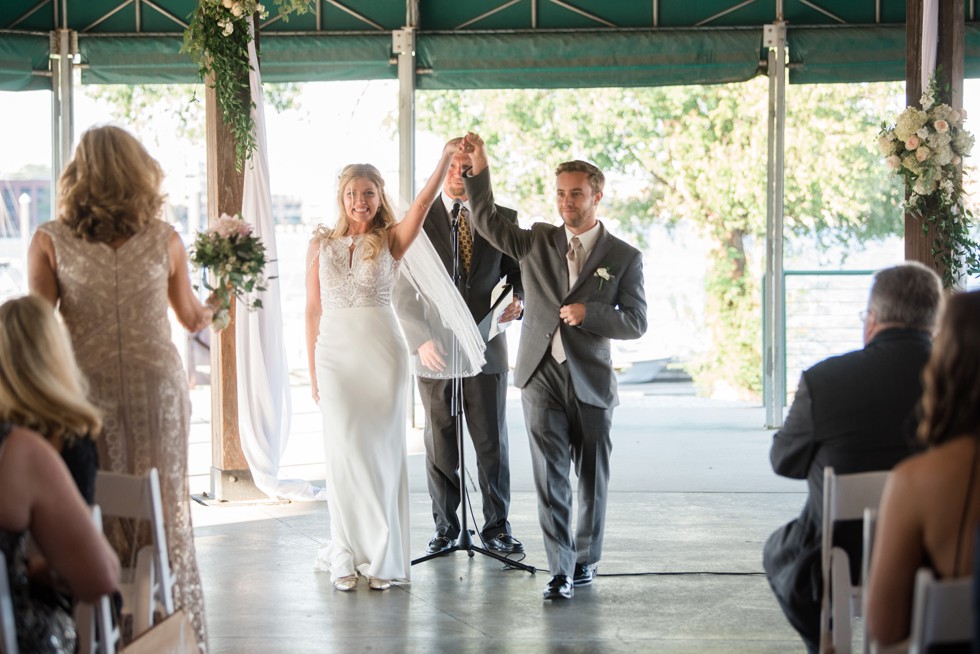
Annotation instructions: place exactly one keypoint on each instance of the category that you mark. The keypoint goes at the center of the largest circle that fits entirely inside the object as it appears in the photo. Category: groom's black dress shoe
(504, 543)
(585, 573)
(560, 587)
(440, 543)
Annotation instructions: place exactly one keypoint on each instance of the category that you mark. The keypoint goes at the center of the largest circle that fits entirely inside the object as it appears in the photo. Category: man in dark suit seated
(583, 287)
(484, 398)
(854, 412)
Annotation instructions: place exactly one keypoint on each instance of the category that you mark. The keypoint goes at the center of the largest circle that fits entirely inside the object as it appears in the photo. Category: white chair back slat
(8, 628)
(845, 497)
(868, 542)
(940, 612)
(97, 634)
(148, 586)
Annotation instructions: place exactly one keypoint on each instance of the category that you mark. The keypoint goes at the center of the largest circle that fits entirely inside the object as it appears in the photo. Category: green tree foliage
(174, 110)
(697, 155)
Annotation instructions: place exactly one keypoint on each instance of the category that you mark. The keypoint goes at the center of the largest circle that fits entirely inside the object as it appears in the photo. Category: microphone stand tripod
(464, 542)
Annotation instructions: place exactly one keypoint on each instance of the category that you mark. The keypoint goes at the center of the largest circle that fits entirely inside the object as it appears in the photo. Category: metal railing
(821, 313)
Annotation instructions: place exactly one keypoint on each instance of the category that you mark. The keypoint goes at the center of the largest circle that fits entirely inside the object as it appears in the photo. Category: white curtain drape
(930, 39)
(264, 409)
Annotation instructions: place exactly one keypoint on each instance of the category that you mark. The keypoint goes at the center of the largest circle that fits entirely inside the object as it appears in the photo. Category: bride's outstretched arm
(313, 310)
(404, 233)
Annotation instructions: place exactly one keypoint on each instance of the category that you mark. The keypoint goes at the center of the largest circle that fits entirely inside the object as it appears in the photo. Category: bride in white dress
(359, 371)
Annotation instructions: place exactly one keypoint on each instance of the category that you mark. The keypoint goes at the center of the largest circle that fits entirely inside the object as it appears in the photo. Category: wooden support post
(230, 476)
(949, 58)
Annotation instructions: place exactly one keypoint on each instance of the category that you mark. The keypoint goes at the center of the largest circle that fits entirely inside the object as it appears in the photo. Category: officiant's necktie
(465, 239)
(574, 255)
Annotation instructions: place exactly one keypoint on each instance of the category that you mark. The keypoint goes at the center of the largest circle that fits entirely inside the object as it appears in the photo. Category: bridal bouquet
(926, 147)
(236, 261)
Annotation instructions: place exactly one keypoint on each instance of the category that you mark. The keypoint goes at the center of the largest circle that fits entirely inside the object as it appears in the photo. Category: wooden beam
(230, 477)
(950, 51)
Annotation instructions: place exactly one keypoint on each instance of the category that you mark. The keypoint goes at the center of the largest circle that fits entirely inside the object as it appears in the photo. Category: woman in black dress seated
(38, 497)
(41, 387)
(931, 502)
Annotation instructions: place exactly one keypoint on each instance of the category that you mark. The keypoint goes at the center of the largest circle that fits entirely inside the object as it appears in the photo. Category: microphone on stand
(454, 212)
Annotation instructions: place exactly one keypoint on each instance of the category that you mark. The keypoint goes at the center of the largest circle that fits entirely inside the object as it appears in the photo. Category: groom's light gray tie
(574, 255)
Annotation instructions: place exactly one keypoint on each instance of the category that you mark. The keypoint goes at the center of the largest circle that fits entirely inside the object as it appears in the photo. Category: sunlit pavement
(692, 499)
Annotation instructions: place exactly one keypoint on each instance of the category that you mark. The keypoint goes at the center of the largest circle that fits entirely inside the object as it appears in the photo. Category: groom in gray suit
(582, 287)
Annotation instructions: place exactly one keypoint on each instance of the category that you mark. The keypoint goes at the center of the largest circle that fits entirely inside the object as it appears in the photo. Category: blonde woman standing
(113, 267)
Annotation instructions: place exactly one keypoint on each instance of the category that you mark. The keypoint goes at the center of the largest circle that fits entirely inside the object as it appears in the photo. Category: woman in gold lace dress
(112, 267)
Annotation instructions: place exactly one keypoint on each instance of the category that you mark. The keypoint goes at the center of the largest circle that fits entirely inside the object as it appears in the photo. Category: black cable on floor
(677, 573)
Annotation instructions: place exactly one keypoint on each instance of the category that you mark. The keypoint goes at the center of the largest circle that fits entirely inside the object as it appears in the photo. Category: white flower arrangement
(926, 147)
(604, 275)
(236, 261)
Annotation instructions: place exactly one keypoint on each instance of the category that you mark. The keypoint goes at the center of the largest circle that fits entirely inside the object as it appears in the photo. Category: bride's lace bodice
(349, 280)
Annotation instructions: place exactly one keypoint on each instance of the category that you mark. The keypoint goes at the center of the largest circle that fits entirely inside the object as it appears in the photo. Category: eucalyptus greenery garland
(217, 38)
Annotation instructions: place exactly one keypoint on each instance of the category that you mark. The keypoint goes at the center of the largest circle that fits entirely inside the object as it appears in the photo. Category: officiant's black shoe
(440, 543)
(504, 543)
(585, 573)
(560, 587)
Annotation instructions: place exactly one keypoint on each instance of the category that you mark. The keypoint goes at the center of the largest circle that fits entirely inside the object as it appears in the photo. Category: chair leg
(85, 627)
(840, 602)
(143, 595)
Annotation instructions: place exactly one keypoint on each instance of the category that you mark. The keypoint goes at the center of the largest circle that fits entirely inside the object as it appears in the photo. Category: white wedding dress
(362, 374)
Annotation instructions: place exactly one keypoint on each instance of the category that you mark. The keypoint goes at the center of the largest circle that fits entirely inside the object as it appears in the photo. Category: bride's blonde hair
(41, 386)
(383, 220)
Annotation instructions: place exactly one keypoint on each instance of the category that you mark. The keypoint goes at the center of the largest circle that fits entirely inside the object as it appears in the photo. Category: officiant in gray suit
(583, 287)
(481, 267)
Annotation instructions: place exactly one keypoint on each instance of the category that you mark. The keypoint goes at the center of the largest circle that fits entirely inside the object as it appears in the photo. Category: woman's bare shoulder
(939, 465)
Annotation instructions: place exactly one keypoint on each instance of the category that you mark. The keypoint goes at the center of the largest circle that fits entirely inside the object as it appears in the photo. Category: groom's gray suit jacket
(614, 308)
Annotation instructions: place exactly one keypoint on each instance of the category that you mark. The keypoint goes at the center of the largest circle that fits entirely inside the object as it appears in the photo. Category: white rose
(229, 28)
(227, 3)
(236, 10)
(894, 162)
(922, 153)
(260, 8)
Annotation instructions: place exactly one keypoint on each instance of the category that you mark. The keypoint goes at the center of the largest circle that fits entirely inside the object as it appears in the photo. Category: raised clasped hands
(454, 146)
(473, 146)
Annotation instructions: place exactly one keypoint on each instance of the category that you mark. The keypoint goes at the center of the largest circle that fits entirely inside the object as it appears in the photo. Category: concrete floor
(692, 500)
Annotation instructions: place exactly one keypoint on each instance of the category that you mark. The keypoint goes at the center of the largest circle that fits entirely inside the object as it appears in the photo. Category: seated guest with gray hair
(854, 412)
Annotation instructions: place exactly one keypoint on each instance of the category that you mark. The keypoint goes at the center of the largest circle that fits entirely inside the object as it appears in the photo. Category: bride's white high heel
(379, 584)
(346, 583)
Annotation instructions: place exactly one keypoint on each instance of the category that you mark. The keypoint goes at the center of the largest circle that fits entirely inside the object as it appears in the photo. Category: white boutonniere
(604, 275)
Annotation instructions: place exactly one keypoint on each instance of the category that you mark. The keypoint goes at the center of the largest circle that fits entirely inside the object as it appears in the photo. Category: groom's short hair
(596, 179)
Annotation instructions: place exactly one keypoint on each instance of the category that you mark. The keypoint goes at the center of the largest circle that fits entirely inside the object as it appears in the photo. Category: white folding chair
(845, 497)
(8, 628)
(940, 612)
(868, 541)
(97, 634)
(148, 587)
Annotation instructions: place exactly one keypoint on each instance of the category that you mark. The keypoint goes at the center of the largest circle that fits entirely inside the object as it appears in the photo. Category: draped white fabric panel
(264, 409)
(930, 39)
